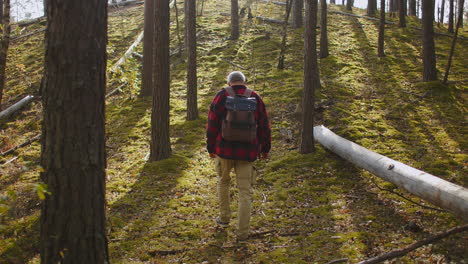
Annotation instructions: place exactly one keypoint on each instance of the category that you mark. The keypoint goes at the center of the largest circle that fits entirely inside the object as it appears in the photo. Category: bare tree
(380, 49)
(234, 19)
(311, 77)
(285, 34)
(160, 140)
(450, 18)
(298, 6)
(323, 30)
(5, 31)
(191, 34)
(428, 47)
(73, 154)
(148, 42)
(402, 13)
(452, 48)
(371, 7)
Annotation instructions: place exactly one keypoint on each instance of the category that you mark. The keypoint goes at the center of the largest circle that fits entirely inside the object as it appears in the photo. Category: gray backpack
(240, 124)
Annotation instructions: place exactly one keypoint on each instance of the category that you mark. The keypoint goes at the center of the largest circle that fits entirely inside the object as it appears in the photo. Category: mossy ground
(307, 208)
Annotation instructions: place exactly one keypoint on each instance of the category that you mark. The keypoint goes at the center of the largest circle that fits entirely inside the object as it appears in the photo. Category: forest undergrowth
(312, 208)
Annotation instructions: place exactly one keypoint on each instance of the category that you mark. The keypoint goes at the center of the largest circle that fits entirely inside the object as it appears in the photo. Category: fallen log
(30, 21)
(401, 252)
(27, 35)
(449, 196)
(12, 109)
(126, 3)
(21, 145)
(128, 52)
(263, 19)
(233, 64)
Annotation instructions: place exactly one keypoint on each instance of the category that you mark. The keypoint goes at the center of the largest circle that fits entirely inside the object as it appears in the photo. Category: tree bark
(452, 48)
(402, 13)
(148, 38)
(371, 7)
(437, 191)
(4, 44)
(461, 6)
(381, 41)
(73, 154)
(442, 12)
(285, 34)
(349, 5)
(412, 8)
(234, 19)
(450, 18)
(333, 2)
(190, 27)
(311, 78)
(160, 140)
(429, 59)
(323, 30)
(298, 6)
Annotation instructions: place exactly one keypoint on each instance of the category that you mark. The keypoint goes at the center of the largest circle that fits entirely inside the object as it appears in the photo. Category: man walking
(236, 154)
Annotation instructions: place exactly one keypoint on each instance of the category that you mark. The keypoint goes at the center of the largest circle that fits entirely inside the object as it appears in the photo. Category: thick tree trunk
(381, 41)
(285, 34)
(429, 59)
(450, 18)
(439, 192)
(311, 78)
(452, 48)
(190, 27)
(147, 74)
(371, 7)
(73, 154)
(234, 19)
(4, 44)
(14, 108)
(402, 13)
(160, 140)
(298, 6)
(323, 30)
(349, 5)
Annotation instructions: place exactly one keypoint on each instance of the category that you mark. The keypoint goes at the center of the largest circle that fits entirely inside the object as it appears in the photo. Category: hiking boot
(221, 224)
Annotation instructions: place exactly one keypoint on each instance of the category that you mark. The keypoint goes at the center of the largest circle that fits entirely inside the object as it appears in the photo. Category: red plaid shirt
(237, 150)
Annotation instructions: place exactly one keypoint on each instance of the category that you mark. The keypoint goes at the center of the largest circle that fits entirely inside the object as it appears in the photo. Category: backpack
(240, 124)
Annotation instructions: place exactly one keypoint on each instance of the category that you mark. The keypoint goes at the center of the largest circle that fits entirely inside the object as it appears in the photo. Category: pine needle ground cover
(311, 208)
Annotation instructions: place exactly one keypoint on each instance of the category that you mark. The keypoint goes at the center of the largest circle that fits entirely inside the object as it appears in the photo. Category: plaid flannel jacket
(237, 150)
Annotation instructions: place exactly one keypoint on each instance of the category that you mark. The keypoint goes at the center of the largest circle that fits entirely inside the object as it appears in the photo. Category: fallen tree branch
(338, 261)
(22, 145)
(401, 252)
(27, 35)
(444, 194)
(233, 64)
(30, 21)
(115, 91)
(126, 3)
(264, 19)
(128, 52)
(9, 161)
(14, 108)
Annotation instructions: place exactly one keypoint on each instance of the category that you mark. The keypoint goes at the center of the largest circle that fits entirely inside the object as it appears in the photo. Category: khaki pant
(244, 175)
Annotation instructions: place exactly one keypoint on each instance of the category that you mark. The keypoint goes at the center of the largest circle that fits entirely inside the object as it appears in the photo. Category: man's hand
(264, 156)
(212, 155)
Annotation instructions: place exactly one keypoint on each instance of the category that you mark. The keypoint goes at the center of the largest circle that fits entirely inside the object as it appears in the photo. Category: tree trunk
(402, 13)
(333, 2)
(285, 34)
(323, 30)
(450, 18)
(160, 140)
(190, 27)
(311, 78)
(73, 154)
(460, 11)
(381, 42)
(412, 8)
(44, 2)
(179, 38)
(442, 12)
(298, 6)
(148, 55)
(5, 31)
(439, 192)
(371, 7)
(452, 48)
(234, 19)
(349, 5)
(429, 59)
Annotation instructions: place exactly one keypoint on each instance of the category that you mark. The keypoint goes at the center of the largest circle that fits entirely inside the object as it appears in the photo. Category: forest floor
(312, 208)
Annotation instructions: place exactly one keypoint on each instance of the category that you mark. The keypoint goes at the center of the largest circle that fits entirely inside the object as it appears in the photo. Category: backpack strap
(230, 91)
(248, 92)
